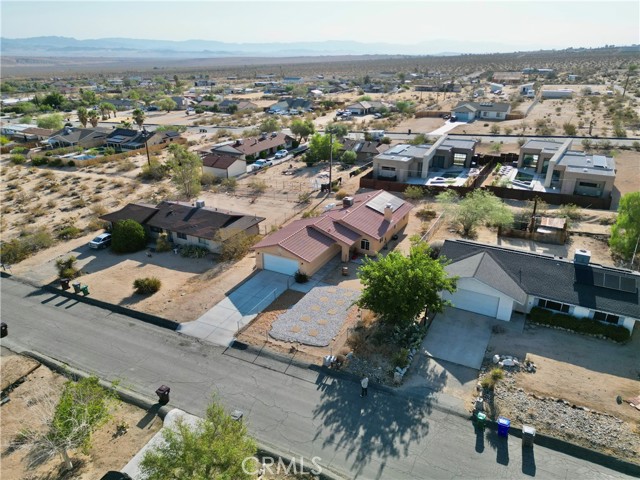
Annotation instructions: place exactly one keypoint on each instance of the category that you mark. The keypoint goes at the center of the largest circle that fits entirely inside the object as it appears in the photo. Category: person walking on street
(364, 383)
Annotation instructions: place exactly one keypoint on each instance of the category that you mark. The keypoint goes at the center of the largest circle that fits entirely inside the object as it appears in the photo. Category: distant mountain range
(138, 48)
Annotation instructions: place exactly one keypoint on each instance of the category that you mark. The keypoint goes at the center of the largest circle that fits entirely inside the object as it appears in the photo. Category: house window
(364, 244)
(155, 229)
(530, 160)
(182, 236)
(551, 305)
(606, 317)
(588, 184)
(203, 241)
(459, 159)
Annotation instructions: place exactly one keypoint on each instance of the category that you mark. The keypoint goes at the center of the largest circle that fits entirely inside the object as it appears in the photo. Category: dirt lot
(109, 452)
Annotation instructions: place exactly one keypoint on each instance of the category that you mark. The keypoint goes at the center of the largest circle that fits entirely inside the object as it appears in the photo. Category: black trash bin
(163, 394)
(76, 287)
(64, 283)
(4, 330)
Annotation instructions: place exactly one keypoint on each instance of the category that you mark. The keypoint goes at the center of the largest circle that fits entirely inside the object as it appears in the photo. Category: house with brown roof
(364, 224)
(187, 224)
(222, 165)
(364, 150)
(254, 147)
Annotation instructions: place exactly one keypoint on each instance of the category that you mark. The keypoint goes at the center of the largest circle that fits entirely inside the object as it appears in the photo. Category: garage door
(475, 302)
(280, 264)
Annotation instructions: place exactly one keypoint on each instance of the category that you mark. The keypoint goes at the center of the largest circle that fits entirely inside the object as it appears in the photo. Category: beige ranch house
(363, 224)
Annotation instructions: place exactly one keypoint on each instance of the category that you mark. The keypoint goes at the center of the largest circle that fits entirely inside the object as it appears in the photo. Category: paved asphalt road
(295, 409)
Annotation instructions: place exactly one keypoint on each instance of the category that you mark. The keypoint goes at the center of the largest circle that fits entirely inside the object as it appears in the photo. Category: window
(530, 160)
(551, 305)
(389, 169)
(459, 159)
(589, 184)
(606, 317)
(182, 236)
(364, 244)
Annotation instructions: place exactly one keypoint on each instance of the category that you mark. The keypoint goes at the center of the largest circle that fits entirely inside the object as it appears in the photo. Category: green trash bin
(481, 419)
(85, 290)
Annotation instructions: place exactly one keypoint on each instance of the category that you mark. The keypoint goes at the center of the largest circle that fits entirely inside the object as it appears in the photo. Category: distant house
(573, 172)
(527, 90)
(253, 147)
(365, 107)
(290, 103)
(469, 111)
(292, 80)
(223, 165)
(187, 224)
(402, 162)
(78, 137)
(557, 93)
(25, 132)
(497, 281)
(364, 150)
(363, 224)
(127, 139)
(507, 77)
(181, 102)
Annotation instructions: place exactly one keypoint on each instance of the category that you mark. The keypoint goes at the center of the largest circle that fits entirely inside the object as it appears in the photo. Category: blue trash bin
(503, 426)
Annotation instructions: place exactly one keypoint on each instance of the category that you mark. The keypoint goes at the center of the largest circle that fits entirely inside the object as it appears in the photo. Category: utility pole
(146, 145)
(330, 159)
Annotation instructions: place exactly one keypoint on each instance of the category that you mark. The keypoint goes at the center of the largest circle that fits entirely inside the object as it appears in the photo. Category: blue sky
(514, 24)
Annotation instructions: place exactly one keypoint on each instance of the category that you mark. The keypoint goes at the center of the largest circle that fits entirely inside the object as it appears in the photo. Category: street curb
(144, 403)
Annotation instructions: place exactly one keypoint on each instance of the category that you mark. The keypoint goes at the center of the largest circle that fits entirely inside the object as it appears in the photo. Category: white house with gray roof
(469, 111)
(497, 281)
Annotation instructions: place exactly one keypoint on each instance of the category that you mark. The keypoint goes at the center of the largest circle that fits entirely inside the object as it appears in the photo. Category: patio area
(452, 177)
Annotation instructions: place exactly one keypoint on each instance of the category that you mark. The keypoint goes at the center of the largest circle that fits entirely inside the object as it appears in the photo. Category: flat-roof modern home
(469, 111)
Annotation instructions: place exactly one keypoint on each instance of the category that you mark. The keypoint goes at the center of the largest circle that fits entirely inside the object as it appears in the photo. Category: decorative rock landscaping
(317, 318)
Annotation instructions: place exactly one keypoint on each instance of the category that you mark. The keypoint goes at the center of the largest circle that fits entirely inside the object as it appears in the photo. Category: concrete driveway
(220, 324)
(459, 337)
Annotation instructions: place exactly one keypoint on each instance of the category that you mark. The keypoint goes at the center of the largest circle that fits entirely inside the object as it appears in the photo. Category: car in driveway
(101, 241)
(281, 153)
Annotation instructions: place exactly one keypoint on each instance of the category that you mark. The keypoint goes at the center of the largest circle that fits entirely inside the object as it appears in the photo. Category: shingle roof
(138, 212)
(484, 107)
(219, 160)
(554, 278)
(253, 145)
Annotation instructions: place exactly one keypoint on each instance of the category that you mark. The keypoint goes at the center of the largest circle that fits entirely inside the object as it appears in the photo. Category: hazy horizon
(498, 25)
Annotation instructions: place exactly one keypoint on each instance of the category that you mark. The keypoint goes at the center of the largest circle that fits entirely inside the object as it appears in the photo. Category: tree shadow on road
(384, 424)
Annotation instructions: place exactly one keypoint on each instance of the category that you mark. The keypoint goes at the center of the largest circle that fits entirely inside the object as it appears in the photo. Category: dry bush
(98, 209)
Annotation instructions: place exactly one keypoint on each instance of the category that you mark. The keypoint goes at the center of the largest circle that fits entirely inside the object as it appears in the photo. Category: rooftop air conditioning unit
(347, 202)
(582, 257)
(199, 203)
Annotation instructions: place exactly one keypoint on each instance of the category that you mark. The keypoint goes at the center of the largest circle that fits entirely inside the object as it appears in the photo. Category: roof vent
(199, 203)
(582, 257)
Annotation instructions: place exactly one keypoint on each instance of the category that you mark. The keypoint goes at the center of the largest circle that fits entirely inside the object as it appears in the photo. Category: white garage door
(280, 264)
(475, 302)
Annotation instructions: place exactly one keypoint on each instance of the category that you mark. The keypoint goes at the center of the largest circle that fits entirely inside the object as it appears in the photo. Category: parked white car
(281, 153)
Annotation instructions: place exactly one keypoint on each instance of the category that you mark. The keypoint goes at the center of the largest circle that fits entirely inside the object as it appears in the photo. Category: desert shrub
(68, 232)
(304, 197)
(426, 214)
(162, 244)
(207, 179)
(301, 277)
(580, 325)
(98, 209)
(125, 166)
(194, 251)
(311, 213)
(147, 285)
(636, 146)
(340, 194)
(258, 186)
(154, 171)
(229, 184)
(18, 159)
(414, 193)
(497, 374)
(38, 161)
(71, 163)
(570, 211)
(128, 236)
(236, 247)
(18, 249)
(66, 267)
(401, 358)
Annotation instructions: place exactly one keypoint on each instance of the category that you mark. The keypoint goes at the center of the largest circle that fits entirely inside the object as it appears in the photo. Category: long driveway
(293, 408)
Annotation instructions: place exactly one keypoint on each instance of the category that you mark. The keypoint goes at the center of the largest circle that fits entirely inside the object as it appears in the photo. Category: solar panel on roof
(379, 202)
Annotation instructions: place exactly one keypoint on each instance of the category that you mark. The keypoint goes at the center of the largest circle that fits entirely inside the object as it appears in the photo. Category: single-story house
(32, 134)
(557, 93)
(363, 224)
(365, 108)
(507, 77)
(181, 102)
(496, 281)
(223, 165)
(128, 139)
(78, 137)
(403, 161)
(573, 172)
(290, 103)
(364, 150)
(187, 224)
(253, 147)
(468, 111)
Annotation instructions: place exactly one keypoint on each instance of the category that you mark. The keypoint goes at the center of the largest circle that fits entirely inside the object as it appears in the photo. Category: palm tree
(82, 116)
(138, 117)
(93, 118)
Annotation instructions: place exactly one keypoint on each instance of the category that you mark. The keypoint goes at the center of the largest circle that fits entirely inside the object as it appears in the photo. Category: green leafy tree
(476, 208)
(302, 129)
(215, 447)
(404, 107)
(128, 236)
(93, 118)
(625, 233)
(167, 104)
(186, 168)
(89, 97)
(399, 287)
(339, 130)
(269, 125)
(349, 157)
(83, 408)
(106, 109)
(82, 116)
(53, 100)
(138, 117)
(55, 121)
(320, 148)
